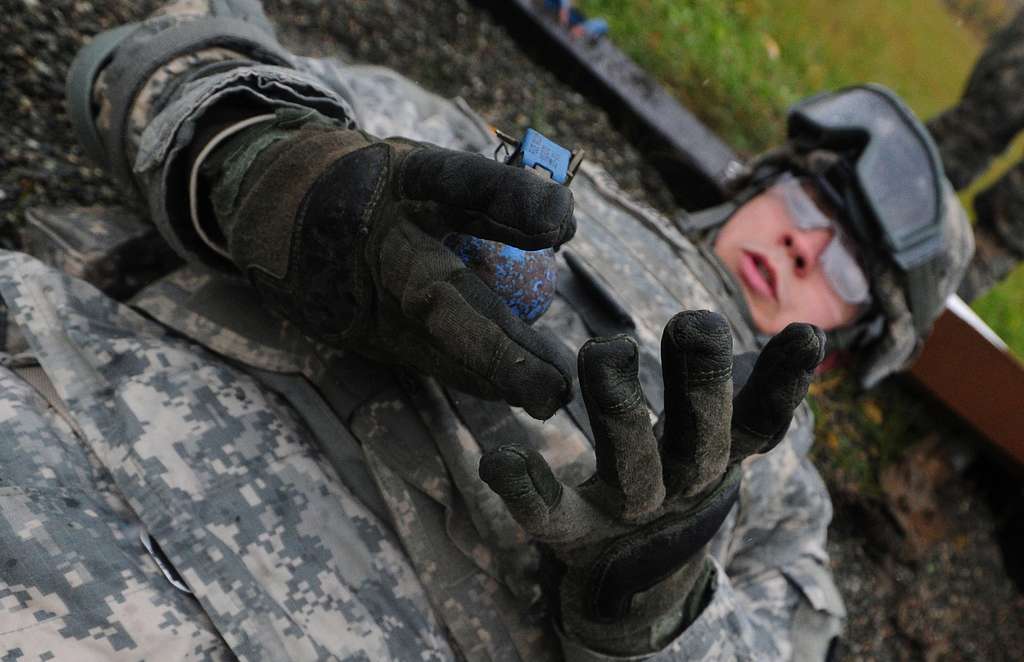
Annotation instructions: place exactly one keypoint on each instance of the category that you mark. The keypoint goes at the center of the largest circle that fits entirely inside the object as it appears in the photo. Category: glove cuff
(659, 615)
(642, 559)
(289, 198)
(650, 584)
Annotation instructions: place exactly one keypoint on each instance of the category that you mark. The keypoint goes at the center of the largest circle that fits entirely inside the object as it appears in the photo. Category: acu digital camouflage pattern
(316, 505)
(283, 561)
(111, 248)
(972, 133)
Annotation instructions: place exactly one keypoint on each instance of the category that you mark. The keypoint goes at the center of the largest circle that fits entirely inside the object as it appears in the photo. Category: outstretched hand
(632, 538)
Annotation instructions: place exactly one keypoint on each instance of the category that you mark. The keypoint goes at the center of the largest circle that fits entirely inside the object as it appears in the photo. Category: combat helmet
(866, 147)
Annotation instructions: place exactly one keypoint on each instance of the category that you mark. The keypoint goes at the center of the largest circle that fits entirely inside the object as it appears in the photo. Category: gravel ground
(40, 162)
(957, 601)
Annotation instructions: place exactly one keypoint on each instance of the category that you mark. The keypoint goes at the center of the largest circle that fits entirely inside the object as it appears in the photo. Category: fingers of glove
(411, 348)
(778, 383)
(627, 451)
(488, 199)
(529, 366)
(471, 327)
(742, 367)
(543, 506)
(696, 354)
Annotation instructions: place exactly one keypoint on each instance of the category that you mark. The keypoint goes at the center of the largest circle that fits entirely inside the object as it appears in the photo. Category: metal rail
(692, 158)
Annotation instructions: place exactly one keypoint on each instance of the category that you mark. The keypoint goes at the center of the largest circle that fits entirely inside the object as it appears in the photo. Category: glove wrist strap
(193, 180)
(642, 559)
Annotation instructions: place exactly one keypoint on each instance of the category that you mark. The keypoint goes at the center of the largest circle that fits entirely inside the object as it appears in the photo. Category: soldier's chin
(765, 316)
(525, 280)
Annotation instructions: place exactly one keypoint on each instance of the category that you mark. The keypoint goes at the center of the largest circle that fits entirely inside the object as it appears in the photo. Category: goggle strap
(855, 335)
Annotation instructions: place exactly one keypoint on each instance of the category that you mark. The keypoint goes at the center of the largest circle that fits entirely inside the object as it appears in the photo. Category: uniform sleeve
(157, 436)
(774, 592)
(76, 582)
(146, 97)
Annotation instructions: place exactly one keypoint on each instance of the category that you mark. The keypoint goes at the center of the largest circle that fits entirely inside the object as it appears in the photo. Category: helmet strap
(856, 335)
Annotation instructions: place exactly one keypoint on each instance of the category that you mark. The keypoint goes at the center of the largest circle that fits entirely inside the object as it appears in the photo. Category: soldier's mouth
(758, 274)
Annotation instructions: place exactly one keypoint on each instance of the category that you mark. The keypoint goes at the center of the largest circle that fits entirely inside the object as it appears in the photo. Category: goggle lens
(838, 260)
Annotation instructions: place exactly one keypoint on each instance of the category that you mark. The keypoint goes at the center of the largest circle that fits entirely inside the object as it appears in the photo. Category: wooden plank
(966, 366)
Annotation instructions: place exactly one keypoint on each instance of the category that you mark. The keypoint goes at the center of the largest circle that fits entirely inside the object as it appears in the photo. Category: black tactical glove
(632, 540)
(342, 234)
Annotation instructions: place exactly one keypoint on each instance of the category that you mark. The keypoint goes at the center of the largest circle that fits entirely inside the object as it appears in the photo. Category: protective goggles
(891, 163)
(890, 180)
(839, 258)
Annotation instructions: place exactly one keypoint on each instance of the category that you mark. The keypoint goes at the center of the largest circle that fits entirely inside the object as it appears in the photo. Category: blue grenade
(525, 280)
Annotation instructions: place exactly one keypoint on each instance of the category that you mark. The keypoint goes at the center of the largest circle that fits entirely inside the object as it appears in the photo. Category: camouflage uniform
(312, 503)
(973, 132)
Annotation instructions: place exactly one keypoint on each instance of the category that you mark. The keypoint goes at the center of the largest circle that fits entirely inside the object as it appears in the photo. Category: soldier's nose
(805, 247)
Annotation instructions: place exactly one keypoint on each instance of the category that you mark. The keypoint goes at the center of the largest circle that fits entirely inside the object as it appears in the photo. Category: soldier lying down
(390, 464)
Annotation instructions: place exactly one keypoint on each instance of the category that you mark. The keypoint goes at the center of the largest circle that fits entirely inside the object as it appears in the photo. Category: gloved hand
(631, 541)
(342, 234)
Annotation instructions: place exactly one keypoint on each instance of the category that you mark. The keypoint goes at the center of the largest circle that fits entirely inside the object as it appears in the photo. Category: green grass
(712, 56)
(983, 16)
(739, 65)
(914, 46)
(1002, 309)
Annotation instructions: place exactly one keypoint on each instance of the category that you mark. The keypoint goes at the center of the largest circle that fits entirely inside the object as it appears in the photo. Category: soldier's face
(778, 267)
